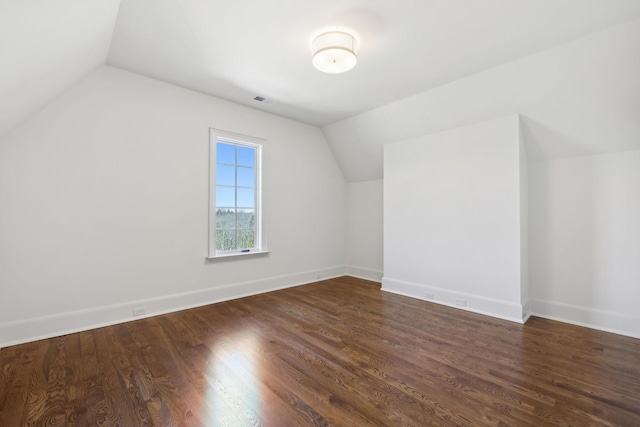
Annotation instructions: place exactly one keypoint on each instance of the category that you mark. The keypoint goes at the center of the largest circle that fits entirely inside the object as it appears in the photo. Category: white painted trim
(526, 311)
(22, 331)
(475, 303)
(364, 273)
(222, 255)
(602, 320)
(216, 135)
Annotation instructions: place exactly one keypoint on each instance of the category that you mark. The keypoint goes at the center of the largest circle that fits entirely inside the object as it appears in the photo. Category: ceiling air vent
(263, 100)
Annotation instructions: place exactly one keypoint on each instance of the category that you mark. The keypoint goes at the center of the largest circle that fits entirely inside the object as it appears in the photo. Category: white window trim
(216, 135)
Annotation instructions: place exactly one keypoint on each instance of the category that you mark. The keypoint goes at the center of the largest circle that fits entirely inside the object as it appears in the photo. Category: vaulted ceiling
(47, 46)
(237, 50)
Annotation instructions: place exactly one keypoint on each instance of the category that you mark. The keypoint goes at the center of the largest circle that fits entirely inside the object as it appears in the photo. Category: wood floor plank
(36, 373)
(338, 352)
(329, 360)
(55, 366)
(76, 392)
(25, 391)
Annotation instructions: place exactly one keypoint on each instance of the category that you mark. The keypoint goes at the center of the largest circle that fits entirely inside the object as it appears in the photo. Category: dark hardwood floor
(337, 352)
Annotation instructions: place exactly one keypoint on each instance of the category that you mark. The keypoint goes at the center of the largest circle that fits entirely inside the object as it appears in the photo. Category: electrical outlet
(428, 295)
(138, 311)
(461, 302)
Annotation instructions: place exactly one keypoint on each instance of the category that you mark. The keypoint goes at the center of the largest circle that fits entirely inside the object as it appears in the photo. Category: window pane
(246, 177)
(225, 240)
(246, 239)
(225, 218)
(226, 197)
(225, 175)
(225, 153)
(246, 156)
(246, 219)
(246, 198)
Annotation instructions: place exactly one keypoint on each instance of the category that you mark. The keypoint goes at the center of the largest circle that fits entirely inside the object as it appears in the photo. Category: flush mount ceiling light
(334, 52)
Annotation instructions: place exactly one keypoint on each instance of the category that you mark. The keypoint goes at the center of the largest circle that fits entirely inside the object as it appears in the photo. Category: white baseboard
(18, 332)
(526, 311)
(21, 331)
(364, 273)
(501, 309)
(602, 320)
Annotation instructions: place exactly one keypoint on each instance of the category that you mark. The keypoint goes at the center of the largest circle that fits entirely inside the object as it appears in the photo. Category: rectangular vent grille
(263, 100)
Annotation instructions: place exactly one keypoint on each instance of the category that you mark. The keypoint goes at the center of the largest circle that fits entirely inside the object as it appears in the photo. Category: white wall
(104, 198)
(585, 240)
(364, 229)
(575, 100)
(452, 217)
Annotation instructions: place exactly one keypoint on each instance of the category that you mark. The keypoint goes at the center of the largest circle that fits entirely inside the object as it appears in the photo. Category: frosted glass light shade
(334, 52)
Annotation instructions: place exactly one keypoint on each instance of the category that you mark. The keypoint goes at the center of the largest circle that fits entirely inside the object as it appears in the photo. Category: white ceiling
(239, 49)
(47, 46)
(579, 98)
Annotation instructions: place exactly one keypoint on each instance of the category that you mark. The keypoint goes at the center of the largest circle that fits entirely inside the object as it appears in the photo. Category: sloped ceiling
(237, 50)
(46, 46)
(576, 99)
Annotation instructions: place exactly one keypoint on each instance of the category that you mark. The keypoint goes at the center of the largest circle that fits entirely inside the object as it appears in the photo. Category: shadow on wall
(543, 142)
(563, 252)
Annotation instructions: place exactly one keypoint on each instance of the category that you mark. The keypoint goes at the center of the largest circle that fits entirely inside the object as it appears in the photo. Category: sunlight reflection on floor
(233, 378)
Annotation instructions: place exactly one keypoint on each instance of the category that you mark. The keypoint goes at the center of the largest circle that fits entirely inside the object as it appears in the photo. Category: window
(235, 207)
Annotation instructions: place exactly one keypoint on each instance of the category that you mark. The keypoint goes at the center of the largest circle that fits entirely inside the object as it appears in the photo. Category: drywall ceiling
(579, 98)
(46, 46)
(237, 50)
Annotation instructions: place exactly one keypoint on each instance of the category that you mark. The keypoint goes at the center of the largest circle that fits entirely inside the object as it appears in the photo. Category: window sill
(237, 254)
